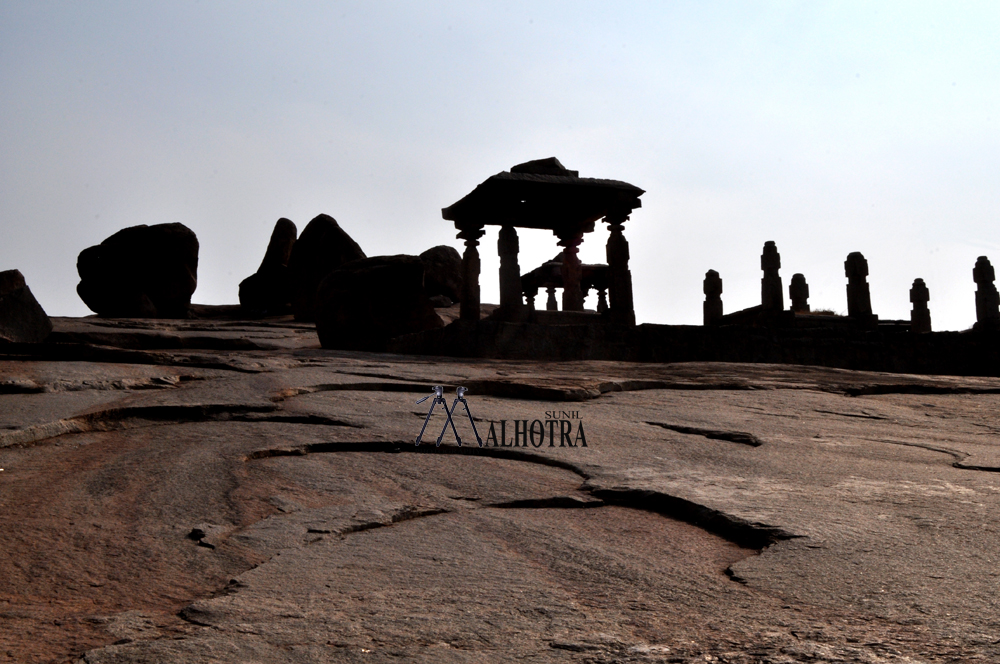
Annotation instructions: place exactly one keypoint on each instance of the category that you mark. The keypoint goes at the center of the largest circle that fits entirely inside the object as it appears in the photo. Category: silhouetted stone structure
(798, 293)
(859, 300)
(322, 248)
(22, 319)
(544, 194)
(140, 271)
(268, 291)
(987, 299)
(771, 296)
(712, 309)
(920, 315)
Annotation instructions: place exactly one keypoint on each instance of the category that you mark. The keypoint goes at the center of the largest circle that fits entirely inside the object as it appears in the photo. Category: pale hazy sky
(826, 127)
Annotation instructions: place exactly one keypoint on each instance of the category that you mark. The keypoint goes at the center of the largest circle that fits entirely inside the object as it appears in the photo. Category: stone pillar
(510, 273)
(529, 296)
(771, 296)
(920, 316)
(859, 299)
(713, 298)
(470, 274)
(798, 293)
(619, 277)
(572, 271)
(551, 304)
(602, 300)
(987, 299)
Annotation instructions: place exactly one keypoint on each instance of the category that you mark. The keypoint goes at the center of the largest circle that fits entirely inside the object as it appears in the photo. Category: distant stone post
(469, 309)
(550, 303)
(859, 299)
(798, 293)
(920, 315)
(987, 299)
(713, 298)
(771, 297)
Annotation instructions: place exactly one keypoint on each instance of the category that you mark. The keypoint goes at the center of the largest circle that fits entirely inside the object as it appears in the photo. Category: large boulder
(269, 291)
(141, 272)
(443, 272)
(322, 248)
(367, 302)
(22, 319)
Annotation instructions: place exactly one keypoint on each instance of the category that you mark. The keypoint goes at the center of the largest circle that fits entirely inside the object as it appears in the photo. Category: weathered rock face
(322, 248)
(268, 291)
(22, 319)
(367, 302)
(443, 272)
(141, 271)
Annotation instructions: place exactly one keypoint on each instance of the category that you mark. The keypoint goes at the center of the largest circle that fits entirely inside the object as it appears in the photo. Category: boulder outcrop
(367, 302)
(22, 319)
(268, 291)
(322, 247)
(141, 271)
(443, 272)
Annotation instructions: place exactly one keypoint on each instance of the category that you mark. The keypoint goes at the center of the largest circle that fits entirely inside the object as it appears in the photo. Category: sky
(827, 127)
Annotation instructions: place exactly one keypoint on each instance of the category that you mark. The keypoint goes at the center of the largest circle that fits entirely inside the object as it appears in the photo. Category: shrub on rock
(22, 319)
(141, 272)
(367, 302)
(322, 247)
(268, 291)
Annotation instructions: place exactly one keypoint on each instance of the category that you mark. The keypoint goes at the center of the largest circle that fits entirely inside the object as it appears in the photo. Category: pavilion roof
(543, 194)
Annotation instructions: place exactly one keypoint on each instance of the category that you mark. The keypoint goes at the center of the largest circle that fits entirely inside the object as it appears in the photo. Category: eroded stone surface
(225, 505)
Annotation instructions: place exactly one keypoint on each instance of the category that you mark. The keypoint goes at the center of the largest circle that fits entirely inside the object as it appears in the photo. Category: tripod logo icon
(439, 399)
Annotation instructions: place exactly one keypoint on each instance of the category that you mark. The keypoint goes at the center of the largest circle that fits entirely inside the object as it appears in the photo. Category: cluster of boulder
(357, 302)
(322, 276)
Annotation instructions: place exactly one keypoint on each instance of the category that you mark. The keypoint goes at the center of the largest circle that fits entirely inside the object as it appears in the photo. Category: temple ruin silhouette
(544, 194)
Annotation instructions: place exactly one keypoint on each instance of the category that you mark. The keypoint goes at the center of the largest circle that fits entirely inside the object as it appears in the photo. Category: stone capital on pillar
(469, 309)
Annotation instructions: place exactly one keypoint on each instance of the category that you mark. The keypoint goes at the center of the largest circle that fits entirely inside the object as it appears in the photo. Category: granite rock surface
(227, 491)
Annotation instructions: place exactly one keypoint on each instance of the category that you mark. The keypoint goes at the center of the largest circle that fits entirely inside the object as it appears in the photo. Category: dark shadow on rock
(368, 302)
(141, 272)
(322, 247)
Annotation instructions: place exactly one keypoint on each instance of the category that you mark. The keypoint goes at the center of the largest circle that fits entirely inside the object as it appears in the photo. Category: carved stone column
(510, 273)
(920, 316)
(550, 303)
(859, 299)
(771, 296)
(470, 274)
(619, 277)
(572, 272)
(798, 293)
(987, 299)
(712, 308)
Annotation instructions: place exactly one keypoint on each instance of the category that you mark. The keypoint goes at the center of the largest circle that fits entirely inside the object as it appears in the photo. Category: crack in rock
(133, 417)
(744, 533)
(741, 437)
